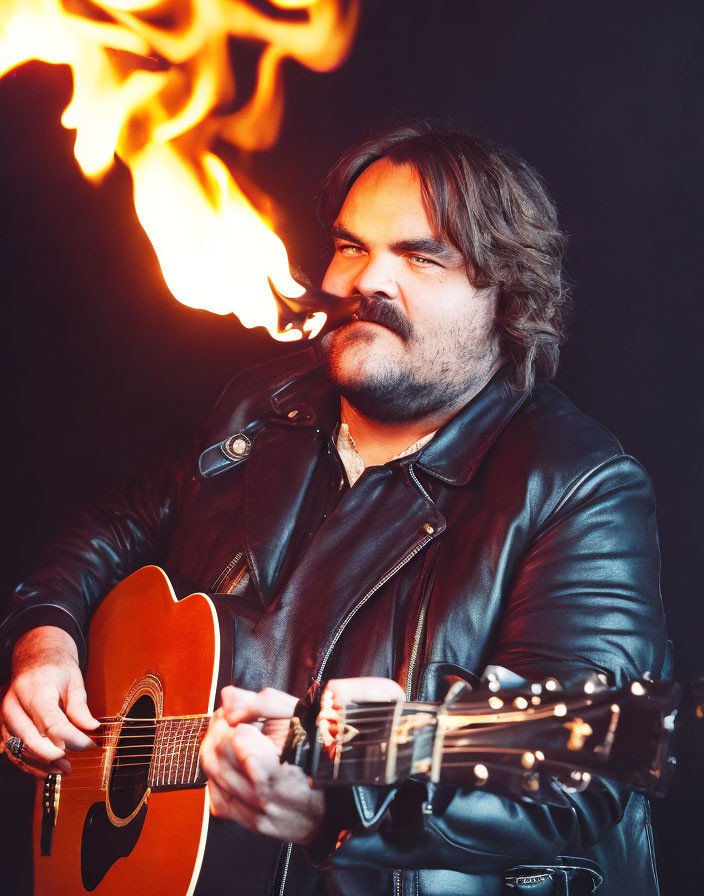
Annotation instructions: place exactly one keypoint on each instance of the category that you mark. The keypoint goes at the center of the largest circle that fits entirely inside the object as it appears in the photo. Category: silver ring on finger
(15, 745)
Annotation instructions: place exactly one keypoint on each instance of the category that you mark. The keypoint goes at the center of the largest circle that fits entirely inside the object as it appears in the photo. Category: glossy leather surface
(522, 536)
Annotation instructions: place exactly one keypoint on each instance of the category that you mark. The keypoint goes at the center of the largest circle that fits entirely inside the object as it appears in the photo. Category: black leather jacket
(521, 537)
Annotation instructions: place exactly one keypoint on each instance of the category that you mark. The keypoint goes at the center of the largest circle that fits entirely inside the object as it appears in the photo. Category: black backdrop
(105, 371)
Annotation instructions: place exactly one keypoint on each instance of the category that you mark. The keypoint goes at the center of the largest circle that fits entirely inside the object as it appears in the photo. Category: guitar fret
(160, 772)
(193, 745)
(186, 751)
(173, 732)
(162, 755)
(165, 749)
(178, 746)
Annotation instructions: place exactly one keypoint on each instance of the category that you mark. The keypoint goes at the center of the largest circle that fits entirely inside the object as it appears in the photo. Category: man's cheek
(336, 281)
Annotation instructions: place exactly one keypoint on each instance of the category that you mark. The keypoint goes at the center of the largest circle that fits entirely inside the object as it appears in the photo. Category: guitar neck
(522, 736)
(527, 734)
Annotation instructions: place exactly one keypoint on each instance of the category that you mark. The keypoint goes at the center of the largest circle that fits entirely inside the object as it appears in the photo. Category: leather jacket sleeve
(585, 597)
(105, 544)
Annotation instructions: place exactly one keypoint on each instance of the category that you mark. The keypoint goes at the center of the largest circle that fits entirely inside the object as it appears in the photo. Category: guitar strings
(84, 765)
(186, 743)
(360, 715)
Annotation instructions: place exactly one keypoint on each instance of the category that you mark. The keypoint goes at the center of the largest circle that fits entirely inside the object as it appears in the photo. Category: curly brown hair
(496, 210)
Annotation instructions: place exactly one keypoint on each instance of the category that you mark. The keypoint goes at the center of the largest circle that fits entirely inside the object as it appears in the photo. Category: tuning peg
(492, 682)
(481, 773)
(577, 782)
(530, 782)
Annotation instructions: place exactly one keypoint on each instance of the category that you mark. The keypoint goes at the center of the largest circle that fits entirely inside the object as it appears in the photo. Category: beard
(393, 391)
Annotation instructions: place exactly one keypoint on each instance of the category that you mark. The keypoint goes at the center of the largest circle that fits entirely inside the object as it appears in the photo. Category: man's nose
(377, 276)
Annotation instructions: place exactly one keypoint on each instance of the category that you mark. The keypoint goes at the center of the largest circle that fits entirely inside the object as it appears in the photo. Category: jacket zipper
(421, 544)
(222, 578)
(338, 634)
(423, 609)
(353, 612)
(284, 873)
(416, 645)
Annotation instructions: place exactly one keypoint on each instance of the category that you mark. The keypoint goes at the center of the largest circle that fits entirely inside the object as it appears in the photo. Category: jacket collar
(458, 447)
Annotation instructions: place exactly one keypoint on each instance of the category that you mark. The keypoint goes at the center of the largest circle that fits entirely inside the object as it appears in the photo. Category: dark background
(104, 371)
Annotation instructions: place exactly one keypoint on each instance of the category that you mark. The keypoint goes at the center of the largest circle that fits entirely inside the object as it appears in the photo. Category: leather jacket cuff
(33, 617)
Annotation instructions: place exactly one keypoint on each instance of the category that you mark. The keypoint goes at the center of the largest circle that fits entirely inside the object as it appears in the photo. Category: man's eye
(348, 249)
(421, 261)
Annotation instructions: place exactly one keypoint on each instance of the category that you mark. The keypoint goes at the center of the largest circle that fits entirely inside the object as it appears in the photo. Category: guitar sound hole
(130, 768)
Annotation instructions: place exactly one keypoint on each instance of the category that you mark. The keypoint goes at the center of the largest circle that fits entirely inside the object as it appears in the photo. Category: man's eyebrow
(424, 246)
(338, 232)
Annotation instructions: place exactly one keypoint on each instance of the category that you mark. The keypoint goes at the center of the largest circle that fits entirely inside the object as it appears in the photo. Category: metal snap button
(236, 447)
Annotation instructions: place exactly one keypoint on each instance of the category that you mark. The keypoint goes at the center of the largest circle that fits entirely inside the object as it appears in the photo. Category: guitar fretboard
(176, 749)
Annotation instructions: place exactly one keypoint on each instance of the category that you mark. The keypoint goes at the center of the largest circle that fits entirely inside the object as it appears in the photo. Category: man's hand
(45, 704)
(246, 780)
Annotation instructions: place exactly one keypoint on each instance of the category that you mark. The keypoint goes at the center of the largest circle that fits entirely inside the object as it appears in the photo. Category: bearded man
(414, 502)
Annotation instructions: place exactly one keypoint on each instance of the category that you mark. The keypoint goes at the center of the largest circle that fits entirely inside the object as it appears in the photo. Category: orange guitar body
(142, 641)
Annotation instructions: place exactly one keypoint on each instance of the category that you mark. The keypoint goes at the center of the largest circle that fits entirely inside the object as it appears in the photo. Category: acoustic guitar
(155, 667)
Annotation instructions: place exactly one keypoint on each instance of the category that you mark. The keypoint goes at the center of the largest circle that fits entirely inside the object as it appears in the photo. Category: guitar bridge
(51, 795)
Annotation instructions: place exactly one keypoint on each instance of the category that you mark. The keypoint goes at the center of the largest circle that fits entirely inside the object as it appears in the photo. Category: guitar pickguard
(102, 844)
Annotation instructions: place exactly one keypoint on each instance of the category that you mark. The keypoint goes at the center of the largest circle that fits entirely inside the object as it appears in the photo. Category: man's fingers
(221, 766)
(248, 706)
(225, 805)
(254, 752)
(241, 761)
(43, 708)
(247, 784)
(20, 724)
(77, 707)
(360, 690)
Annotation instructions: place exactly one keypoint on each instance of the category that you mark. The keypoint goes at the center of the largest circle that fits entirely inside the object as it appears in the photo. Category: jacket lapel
(377, 525)
(459, 446)
(279, 472)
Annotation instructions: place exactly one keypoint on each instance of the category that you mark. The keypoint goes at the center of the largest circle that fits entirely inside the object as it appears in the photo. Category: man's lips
(373, 323)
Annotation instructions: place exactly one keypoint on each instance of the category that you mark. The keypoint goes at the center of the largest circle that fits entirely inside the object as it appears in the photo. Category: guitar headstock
(519, 739)
(540, 732)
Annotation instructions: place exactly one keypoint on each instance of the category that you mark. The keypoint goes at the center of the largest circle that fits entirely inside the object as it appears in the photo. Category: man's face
(426, 337)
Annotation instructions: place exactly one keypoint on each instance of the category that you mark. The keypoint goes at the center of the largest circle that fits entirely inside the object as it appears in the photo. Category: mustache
(384, 311)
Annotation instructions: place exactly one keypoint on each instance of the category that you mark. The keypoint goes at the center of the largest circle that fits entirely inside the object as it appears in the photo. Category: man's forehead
(386, 203)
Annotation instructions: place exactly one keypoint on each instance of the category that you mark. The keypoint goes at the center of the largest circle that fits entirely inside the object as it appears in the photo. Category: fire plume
(154, 84)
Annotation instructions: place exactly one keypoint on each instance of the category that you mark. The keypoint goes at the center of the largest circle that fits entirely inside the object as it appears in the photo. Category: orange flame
(151, 80)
